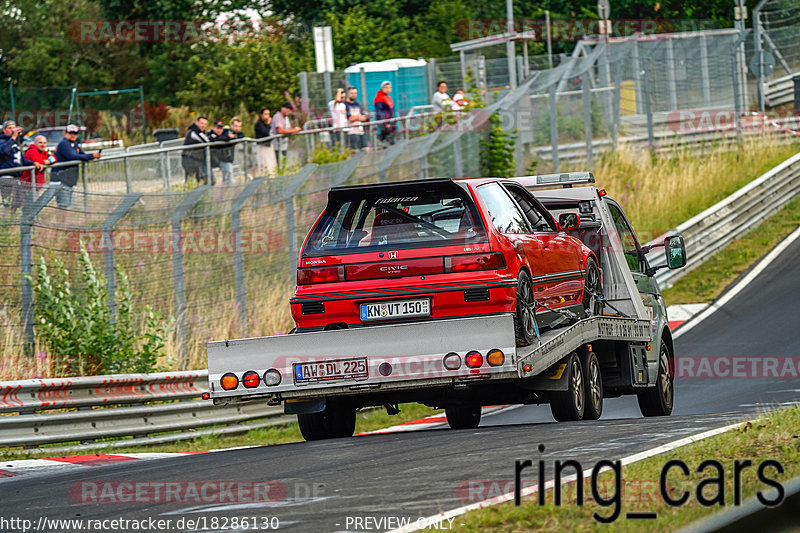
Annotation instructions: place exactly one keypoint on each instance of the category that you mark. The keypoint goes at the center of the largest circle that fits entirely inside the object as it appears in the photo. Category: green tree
(253, 73)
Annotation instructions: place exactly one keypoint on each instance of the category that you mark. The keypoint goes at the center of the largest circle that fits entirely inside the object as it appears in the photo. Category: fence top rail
(219, 144)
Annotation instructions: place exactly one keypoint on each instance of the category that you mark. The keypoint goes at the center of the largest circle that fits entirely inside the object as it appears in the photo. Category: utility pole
(512, 60)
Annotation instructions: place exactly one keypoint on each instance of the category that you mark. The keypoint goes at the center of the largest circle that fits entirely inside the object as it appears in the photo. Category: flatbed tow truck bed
(324, 377)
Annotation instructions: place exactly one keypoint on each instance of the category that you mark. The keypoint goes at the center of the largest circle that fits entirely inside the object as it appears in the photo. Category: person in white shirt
(441, 102)
(338, 117)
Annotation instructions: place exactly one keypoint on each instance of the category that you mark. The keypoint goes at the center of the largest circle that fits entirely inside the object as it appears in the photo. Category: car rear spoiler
(565, 179)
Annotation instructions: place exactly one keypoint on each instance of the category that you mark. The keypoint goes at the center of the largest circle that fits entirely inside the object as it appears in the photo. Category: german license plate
(395, 309)
(330, 370)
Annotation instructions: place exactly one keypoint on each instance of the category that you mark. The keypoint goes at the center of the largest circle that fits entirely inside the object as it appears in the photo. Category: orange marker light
(229, 381)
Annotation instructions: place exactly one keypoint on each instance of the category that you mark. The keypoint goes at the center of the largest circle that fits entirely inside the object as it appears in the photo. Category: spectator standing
(218, 133)
(355, 116)
(267, 164)
(384, 110)
(440, 100)
(338, 111)
(10, 157)
(65, 178)
(37, 152)
(228, 152)
(282, 125)
(194, 161)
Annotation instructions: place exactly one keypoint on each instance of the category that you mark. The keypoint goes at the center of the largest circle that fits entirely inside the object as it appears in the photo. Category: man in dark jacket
(11, 157)
(225, 155)
(65, 178)
(194, 161)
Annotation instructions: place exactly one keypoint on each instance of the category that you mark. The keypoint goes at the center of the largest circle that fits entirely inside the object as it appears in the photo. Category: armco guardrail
(104, 410)
(715, 228)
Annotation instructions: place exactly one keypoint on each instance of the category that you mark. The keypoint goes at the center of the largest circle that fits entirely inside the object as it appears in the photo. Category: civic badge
(392, 255)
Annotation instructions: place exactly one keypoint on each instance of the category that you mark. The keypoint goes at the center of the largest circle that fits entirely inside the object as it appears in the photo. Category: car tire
(463, 416)
(332, 423)
(592, 306)
(525, 312)
(593, 381)
(569, 405)
(658, 400)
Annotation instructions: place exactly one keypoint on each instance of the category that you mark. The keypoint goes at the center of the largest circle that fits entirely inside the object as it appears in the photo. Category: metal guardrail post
(704, 71)
(109, 265)
(648, 109)
(458, 163)
(362, 74)
(291, 228)
(736, 86)
(209, 170)
(673, 92)
(128, 184)
(30, 210)
(586, 97)
(553, 127)
(177, 269)
(164, 163)
(617, 106)
(238, 257)
(246, 159)
(637, 74)
(326, 78)
(85, 188)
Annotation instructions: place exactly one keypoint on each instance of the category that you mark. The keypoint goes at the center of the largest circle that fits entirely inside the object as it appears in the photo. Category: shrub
(82, 335)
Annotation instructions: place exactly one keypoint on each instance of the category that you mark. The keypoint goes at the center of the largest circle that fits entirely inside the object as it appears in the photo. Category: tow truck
(324, 377)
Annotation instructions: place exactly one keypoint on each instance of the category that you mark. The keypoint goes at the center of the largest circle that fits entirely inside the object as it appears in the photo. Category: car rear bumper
(446, 301)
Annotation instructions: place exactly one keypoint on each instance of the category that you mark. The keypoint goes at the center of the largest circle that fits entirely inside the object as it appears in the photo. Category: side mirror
(569, 220)
(676, 252)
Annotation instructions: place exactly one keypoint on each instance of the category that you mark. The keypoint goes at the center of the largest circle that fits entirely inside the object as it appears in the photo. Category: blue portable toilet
(375, 73)
(412, 83)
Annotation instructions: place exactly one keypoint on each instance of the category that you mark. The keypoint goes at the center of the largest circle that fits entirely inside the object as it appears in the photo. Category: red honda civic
(442, 248)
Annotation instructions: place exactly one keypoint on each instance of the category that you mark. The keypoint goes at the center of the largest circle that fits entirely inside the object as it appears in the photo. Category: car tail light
(272, 377)
(452, 361)
(462, 263)
(251, 379)
(307, 276)
(229, 381)
(474, 359)
(495, 357)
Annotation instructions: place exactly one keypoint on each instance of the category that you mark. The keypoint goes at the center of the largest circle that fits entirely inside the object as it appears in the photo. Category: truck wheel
(592, 288)
(594, 386)
(463, 416)
(332, 423)
(569, 404)
(657, 401)
(525, 312)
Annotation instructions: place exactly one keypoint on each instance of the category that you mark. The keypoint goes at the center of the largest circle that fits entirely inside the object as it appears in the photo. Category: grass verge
(775, 436)
(706, 282)
(367, 420)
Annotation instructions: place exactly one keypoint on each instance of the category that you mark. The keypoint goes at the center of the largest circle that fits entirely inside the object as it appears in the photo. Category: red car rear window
(395, 217)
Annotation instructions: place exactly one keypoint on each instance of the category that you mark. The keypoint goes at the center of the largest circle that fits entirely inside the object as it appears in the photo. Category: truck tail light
(272, 377)
(463, 263)
(307, 276)
(229, 381)
(495, 357)
(251, 379)
(452, 361)
(474, 359)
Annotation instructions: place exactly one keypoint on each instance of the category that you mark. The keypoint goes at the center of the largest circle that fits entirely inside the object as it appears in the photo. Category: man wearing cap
(384, 109)
(282, 125)
(65, 178)
(11, 157)
(228, 152)
(218, 133)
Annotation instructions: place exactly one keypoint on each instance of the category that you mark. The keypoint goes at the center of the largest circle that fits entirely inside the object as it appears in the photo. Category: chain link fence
(221, 260)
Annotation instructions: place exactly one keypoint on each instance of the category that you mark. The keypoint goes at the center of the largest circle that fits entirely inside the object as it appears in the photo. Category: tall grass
(658, 192)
